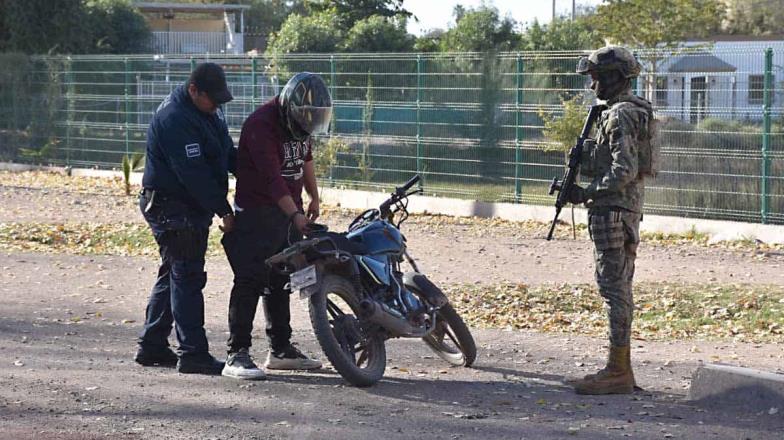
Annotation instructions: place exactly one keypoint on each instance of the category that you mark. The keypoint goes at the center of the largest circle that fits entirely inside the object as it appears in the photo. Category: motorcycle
(359, 297)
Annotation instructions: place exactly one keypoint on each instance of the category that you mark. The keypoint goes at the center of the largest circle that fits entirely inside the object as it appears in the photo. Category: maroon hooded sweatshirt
(269, 161)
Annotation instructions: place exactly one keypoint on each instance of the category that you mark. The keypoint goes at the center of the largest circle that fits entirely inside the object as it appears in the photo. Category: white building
(195, 28)
(718, 79)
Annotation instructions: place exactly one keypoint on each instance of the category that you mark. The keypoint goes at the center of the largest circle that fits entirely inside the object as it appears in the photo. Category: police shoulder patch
(193, 150)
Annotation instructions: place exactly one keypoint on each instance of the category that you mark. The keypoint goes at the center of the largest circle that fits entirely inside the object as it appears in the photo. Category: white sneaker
(290, 359)
(239, 365)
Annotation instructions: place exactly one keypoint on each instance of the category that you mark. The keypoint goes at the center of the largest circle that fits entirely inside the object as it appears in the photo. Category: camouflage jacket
(617, 182)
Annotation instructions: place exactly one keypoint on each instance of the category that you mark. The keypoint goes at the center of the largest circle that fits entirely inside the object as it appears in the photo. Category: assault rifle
(564, 187)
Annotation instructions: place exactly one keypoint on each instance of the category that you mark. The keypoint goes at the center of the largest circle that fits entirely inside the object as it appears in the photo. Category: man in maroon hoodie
(274, 164)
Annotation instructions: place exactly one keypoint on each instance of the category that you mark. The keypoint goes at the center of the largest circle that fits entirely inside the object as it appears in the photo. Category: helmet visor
(584, 65)
(311, 119)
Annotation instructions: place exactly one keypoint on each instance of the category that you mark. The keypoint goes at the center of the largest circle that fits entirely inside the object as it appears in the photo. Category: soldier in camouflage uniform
(614, 200)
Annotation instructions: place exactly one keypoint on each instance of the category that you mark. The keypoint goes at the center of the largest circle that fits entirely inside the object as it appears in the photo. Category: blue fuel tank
(379, 237)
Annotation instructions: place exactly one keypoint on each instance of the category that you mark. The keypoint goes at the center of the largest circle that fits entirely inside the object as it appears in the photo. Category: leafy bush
(326, 155)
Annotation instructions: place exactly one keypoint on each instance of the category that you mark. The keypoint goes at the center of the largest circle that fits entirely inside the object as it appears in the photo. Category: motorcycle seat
(342, 243)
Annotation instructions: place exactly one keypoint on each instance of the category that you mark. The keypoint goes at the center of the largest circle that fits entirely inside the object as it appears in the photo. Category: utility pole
(573, 13)
(553, 10)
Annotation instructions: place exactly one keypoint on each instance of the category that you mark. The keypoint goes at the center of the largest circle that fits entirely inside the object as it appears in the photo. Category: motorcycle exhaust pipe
(378, 313)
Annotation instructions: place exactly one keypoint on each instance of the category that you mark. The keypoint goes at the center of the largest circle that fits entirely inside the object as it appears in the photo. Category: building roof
(702, 63)
(743, 38)
(188, 7)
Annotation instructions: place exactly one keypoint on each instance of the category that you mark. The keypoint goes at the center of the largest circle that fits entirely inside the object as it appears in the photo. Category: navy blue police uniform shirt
(189, 156)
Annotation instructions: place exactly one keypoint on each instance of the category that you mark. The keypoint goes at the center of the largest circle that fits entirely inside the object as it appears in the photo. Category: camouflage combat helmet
(610, 58)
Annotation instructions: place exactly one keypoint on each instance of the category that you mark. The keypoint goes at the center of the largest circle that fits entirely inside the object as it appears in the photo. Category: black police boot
(199, 364)
(162, 357)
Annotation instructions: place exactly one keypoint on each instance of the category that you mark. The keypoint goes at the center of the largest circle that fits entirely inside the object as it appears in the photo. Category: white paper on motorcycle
(304, 278)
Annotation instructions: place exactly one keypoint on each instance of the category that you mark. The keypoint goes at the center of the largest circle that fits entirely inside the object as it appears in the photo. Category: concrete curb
(718, 230)
(726, 385)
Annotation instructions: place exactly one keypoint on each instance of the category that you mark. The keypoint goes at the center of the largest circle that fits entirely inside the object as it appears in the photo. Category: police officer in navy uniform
(189, 155)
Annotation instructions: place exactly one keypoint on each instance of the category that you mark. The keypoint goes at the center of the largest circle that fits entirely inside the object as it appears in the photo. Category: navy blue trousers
(176, 297)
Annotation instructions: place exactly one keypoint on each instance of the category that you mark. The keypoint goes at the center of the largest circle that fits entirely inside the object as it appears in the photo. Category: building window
(661, 91)
(757, 89)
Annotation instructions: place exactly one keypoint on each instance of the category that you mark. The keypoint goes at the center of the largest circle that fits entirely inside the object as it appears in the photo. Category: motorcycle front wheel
(358, 357)
(451, 340)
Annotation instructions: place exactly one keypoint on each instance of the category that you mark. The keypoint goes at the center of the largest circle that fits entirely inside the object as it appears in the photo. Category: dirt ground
(454, 252)
(68, 323)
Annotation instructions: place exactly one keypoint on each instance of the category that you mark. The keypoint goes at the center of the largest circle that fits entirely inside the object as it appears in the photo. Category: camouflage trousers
(615, 235)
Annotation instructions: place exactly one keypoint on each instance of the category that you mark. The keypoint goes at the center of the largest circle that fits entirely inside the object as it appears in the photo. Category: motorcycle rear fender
(431, 292)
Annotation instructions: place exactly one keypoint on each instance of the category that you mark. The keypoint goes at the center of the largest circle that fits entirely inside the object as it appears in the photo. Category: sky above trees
(437, 14)
(285, 26)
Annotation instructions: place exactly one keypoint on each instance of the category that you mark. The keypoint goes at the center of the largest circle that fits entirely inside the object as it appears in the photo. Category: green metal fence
(469, 123)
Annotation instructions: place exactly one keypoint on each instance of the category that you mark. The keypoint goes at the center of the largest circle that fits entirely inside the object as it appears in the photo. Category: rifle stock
(564, 187)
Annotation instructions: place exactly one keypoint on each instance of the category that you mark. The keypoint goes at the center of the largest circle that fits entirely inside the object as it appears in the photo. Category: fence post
(766, 132)
(332, 77)
(419, 118)
(518, 129)
(635, 83)
(332, 91)
(68, 109)
(254, 93)
(127, 105)
(333, 123)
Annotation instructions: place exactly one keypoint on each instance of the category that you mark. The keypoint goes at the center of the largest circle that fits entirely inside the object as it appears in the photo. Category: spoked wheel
(451, 340)
(358, 357)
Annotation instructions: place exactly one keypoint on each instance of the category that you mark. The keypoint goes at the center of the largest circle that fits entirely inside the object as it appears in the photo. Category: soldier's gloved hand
(577, 195)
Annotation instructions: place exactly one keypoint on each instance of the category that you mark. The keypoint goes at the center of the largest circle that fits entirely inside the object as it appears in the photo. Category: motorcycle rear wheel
(451, 340)
(358, 357)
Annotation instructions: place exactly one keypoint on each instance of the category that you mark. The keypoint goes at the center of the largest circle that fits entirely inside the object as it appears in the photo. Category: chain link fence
(471, 124)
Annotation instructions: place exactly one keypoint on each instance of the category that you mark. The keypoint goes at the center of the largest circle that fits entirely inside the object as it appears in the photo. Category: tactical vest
(596, 158)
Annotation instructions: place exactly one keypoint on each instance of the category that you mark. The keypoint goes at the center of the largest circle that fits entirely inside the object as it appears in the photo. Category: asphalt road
(67, 329)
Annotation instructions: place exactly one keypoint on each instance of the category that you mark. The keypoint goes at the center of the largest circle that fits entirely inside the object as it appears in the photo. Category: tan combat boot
(616, 378)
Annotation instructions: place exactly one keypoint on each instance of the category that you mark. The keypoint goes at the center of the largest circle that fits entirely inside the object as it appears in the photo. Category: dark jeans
(259, 233)
(176, 297)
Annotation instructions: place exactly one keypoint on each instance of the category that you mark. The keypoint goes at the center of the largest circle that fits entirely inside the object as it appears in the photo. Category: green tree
(378, 34)
(562, 132)
(480, 30)
(3, 26)
(561, 34)
(71, 26)
(753, 17)
(348, 12)
(42, 26)
(117, 27)
(301, 34)
(267, 16)
(657, 23)
(430, 41)
(365, 161)
(663, 24)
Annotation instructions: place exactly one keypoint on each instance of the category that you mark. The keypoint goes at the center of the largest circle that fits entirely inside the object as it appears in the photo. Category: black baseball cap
(210, 79)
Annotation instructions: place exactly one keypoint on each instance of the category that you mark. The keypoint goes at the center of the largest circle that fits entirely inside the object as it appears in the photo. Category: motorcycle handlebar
(411, 182)
(398, 195)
